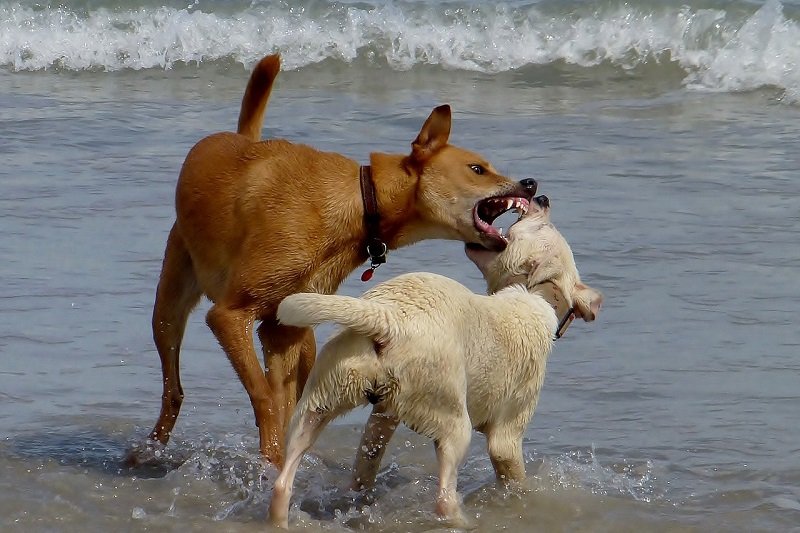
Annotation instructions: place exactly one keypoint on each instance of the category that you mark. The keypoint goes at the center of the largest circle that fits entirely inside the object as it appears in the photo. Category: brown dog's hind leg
(234, 331)
(287, 350)
(308, 356)
(176, 296)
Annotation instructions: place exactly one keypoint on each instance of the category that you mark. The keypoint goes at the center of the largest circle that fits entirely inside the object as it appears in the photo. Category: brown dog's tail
(251, 116)
(365, 317)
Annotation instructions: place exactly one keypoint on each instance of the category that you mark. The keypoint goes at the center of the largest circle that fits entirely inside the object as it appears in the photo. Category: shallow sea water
(675, 411)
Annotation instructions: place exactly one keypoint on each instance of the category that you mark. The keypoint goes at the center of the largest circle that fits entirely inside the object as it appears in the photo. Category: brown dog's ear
(433, 135)
(586, 302)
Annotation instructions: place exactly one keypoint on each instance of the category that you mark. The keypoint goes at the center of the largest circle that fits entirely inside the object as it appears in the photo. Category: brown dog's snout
(529, 184)
(542, 201)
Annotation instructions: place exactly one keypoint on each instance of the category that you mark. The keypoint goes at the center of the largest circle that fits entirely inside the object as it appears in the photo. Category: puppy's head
(537, 254)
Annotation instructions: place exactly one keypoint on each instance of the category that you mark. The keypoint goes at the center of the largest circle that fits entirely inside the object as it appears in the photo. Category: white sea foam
(735, 50)
(763, 52)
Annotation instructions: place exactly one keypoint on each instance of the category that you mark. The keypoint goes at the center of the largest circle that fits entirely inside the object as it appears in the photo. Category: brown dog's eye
(477, 169)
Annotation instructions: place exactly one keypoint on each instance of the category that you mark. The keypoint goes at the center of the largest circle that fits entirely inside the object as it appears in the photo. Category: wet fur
(259, 220)
(430, 353)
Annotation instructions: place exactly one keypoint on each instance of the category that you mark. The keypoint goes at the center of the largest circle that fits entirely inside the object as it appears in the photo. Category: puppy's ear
(433, 135)
(586, 302)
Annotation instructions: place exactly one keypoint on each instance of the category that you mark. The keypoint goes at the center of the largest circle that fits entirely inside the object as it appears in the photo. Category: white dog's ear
(586, 302)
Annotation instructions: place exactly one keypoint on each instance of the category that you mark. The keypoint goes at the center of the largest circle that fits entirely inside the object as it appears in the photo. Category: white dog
(428, 352)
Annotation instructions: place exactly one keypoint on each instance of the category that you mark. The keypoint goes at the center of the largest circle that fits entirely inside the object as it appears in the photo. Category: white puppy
(428, 352)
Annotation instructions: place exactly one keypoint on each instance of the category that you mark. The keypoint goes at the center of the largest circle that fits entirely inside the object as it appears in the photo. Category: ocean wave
(730, 47)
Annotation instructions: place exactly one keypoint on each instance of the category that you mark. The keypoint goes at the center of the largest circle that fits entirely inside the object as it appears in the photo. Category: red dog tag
(367, 275)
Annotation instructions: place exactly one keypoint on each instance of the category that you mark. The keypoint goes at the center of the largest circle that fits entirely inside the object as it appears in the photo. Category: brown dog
(259, 220)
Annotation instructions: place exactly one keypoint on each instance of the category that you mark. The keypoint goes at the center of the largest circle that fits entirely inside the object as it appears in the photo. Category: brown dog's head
(537, 254)
(459, 191)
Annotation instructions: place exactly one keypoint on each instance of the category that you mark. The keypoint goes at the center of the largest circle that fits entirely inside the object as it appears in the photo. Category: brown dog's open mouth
(486, 212)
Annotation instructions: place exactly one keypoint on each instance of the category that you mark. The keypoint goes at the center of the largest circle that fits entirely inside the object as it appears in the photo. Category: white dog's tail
(365, 317)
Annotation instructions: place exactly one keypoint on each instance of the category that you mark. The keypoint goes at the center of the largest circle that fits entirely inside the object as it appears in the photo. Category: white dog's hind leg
(450, 451)
(377, 434)
(304, 432)
(505, 451)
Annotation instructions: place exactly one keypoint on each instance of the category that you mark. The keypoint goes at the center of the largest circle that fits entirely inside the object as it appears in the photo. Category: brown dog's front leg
(234, 331)
(378, 432)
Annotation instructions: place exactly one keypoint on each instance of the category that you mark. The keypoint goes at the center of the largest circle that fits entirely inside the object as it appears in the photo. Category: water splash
(580, 469)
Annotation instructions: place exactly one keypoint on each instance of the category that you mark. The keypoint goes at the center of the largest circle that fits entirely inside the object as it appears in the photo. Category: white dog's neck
(548, 290)
(555, 297)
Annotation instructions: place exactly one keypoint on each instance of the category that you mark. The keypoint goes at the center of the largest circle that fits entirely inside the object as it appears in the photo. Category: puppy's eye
(477, 169)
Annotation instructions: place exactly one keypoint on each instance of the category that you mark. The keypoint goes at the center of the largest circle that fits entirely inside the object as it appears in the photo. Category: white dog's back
(384, 344)
(467, 346)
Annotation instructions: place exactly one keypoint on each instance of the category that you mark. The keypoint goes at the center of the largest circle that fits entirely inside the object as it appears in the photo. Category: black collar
(376, 248)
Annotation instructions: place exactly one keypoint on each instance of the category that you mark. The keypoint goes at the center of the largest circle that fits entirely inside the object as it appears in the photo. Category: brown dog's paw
(150, 456)
(142, 454)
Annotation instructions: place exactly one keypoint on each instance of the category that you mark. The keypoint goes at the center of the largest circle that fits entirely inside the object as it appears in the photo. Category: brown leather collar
(376, 247)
